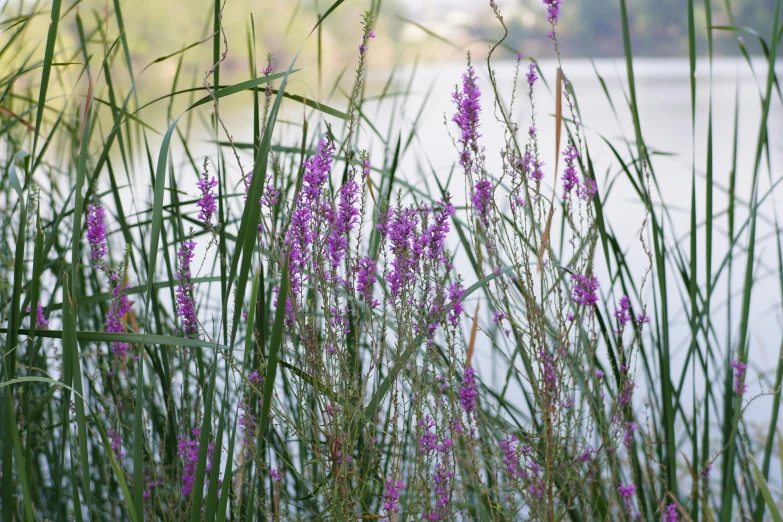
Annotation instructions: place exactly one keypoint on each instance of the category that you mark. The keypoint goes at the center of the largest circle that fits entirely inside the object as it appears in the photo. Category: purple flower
(96, 232)
(187, 448)
(455, 299)
(400, 228)
(642, 318)
(467, 118)
(553, 10)
(532, 75)
(118, 307)
(626, 490)
(186, 304)
(432, 240)
(739, 386)
(599, 374)
(671, 514)
(343, 223)
(40, 320)
(467, 393)
(630, 427)
(570, 178)
(583, 290)
(365, 279)
(482, 200)
(302, 230)
(207, 201)
(510, 458)
(115, 439)
(276, 475)
(247, 423)
(621, 313)
(428, 440)
(391, 496)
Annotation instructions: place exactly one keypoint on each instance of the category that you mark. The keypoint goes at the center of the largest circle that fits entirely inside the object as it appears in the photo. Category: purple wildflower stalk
(186, 304)
(118, 307)
(206, 203)
(467, 118)
(96, 233)
(467, 393)
(40, 319)
(391, 496)
(583, 290)
(739, 375)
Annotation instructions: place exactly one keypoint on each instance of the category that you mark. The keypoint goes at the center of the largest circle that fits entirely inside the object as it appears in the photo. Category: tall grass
(306, 347)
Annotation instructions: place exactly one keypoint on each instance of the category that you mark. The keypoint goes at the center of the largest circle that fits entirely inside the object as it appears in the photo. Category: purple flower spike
(531, 74)
(671, 514)
(96, 233)
(207, 201)
(186, 305)
(391, 496)
(40, 320)
(621, 313)
(739, 386)
(467, 118)
(467, 394)
(118, 307)
(583, 291)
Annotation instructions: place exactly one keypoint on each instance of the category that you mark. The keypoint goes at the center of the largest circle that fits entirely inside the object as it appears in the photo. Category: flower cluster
(467, 393)
(391, 496)
(96, 233)
(206, 203)
(739, 375)
(118, 307)
(186, 304)
(583, 290)
(187, 448)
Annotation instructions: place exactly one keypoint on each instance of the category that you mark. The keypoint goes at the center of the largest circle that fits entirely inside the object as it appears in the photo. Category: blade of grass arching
(138, 440)
(764, 491)
(47, 69)
(744, 334)
(131, 338)
(203, 446)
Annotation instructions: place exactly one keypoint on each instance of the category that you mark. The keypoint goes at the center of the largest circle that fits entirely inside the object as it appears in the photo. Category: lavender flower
(365, 280)
(532, 76)
(467, 118)
(276, 475)
(570, 178)
(739, 386)
(671, 514)
(343, 223)
(96, 233)
(482, 200)
(115, 439)
(400, 228)
(553, 10)
(583, 291)
(186, 305)
(455, 299)
(621, 313)
(510, 458)
(187, 448)
(118, 307)
(40, 319)
(391, 496)
(467, 393)
(626, 490)
(207, 201)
